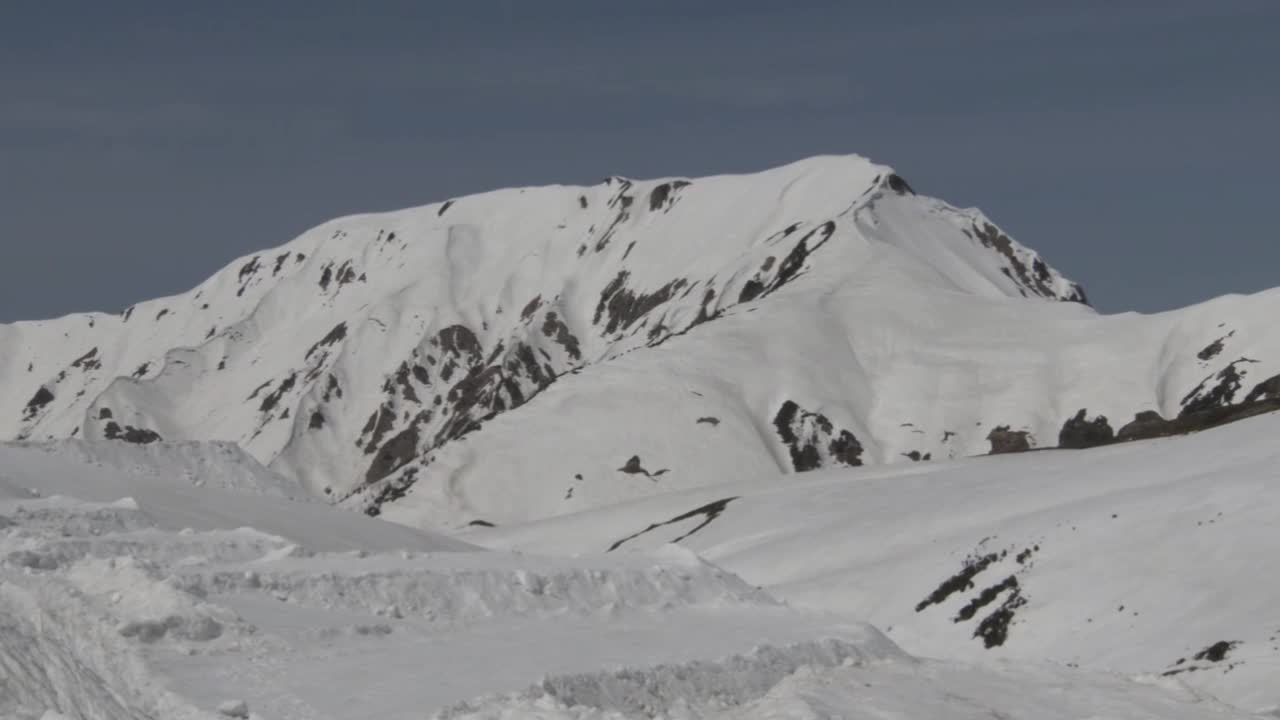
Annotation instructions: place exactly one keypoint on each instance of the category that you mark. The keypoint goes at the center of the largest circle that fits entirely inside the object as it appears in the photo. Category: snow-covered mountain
(619, 429)
(531, 352)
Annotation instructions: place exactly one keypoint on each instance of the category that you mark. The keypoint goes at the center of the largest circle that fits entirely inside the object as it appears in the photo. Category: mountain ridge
(377, 359)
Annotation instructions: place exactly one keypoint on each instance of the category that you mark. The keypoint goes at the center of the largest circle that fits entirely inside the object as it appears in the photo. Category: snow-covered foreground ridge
(131, 595)
(1147, 558)
(531, 352)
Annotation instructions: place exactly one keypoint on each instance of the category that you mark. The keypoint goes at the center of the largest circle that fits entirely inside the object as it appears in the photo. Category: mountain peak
(423, 360)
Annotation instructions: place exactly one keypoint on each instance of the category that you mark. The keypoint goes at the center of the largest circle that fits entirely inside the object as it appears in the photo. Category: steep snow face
(531, 352)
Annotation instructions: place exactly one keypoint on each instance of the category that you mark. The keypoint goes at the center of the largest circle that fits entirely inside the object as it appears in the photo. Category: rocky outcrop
(1078, 432)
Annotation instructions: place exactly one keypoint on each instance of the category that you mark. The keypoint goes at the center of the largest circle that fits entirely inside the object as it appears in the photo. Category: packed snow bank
(465, 587)
(825, 681)
(658, 690)
(206, 464)
(172, 505)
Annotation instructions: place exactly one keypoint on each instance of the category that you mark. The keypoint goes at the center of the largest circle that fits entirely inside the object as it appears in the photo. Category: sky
(145, 144)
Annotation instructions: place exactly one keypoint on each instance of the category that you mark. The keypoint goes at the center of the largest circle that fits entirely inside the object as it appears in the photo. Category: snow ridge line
(660, 689)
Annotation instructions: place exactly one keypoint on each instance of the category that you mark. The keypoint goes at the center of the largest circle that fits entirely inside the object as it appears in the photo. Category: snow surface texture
(531, 352)
(157, 605)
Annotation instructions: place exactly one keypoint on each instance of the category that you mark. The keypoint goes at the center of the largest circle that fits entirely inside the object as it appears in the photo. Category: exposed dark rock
(624, 307)
(87, 361)
(458, 340)
(531, 307)
(141, 370)
(273, 398)
(709, 512)
(1218, 651)
(392, 490)
(793, 263)
(395, 454)
(659, 196)
(751, 290)
(377, 426)
(37, 402)
(444, 208)
(1004, 440)
(337, 334)
(162, 313)
(808, 436)
(555, 328)
(623, 202)
(960, 582)
(317, 420)
(104, 413)
(985, 598)
(421, 375)
(1078, 433)
(1211, 350)
(1036, 279)
(480, 523)
(401, 379)
(346, 274)
(1149, 424)
(130, 434)
(1220, 394)
(898, 185)
(712, 421)
(248, 269)
(332, 389)
(845, 449)
(280, 260)
(994, 628)
(1145, 424)
(633, 467)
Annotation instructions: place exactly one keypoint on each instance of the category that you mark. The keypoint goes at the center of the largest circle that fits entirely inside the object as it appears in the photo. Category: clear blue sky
(145, 144)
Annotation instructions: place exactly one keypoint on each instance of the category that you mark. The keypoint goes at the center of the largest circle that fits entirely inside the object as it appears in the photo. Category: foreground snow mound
(161, 605)
(532, 352)
(95, 496)
(806, 684)
(57, 652)
(658, 690)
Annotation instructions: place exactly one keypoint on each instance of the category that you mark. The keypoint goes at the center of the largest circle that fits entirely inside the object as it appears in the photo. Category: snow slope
(1147, 558)
(531, 352)
(111, 610)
